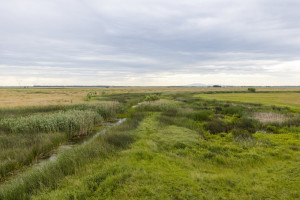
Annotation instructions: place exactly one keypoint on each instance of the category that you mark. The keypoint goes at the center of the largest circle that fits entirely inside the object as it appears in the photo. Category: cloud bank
(140, 42)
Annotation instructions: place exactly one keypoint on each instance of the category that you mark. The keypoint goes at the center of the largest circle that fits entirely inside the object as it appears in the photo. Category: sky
(150, 42)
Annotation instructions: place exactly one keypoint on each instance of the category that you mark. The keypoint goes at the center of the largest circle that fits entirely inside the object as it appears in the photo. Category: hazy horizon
(150, 43)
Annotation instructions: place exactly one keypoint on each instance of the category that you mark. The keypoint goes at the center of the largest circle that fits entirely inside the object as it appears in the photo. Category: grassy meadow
(283, 99)
(176, 143)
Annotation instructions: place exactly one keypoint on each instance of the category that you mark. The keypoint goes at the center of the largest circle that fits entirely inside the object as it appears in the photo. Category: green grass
(69, 162)
(291, 100)
(71, 122)
(26, 138)
(171, 162)
(175, 152)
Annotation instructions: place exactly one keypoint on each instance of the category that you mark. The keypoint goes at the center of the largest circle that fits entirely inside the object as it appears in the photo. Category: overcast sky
(149, 42)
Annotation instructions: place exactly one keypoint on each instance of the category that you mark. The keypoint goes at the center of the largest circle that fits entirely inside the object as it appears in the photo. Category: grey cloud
(115, 41)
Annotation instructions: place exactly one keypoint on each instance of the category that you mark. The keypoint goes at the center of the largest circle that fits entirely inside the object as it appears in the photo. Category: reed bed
(70, 161)
(71, 122)
(32, 132)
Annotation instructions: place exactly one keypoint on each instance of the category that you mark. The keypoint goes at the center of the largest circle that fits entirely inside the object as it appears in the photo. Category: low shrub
(233, 110)
(216, 126)
(202, 115)
(272, 129)
(151, 97)
(245, 124)
(251, 90)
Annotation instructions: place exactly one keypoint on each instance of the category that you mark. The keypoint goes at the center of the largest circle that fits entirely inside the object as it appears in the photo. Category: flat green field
(291, 100)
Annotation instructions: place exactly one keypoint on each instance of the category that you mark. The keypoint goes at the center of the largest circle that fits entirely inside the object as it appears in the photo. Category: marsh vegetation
(174, 146)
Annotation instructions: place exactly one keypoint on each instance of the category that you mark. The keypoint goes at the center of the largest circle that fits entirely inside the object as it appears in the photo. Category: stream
(73, 142)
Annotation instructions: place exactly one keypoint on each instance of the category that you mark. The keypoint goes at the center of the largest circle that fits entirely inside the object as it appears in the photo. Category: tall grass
(107, 110)
(68, 162)
(26, 110)
(71, 122)
(25, 138)
(17, 150)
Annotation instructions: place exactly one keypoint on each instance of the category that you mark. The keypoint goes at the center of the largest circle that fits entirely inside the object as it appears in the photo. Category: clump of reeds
(107, 110)
(72, 122)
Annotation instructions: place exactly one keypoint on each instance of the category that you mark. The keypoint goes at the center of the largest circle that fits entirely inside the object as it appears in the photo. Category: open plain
(173, 143)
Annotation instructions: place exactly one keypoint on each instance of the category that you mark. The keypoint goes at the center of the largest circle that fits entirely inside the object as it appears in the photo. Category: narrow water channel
(79, 141)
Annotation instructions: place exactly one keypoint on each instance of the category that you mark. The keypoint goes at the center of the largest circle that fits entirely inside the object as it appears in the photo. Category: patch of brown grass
(270, 117)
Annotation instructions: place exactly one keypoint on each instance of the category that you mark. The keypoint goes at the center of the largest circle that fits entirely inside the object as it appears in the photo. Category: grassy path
(171, 162)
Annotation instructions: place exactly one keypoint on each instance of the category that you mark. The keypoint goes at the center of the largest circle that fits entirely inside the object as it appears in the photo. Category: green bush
(272, 129)
(216, 126)
(151, 97)
(245, 124)
(233, 110)
(202, 115)
(251, 90)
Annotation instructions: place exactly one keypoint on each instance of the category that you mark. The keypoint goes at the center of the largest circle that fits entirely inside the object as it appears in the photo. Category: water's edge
(78, 141)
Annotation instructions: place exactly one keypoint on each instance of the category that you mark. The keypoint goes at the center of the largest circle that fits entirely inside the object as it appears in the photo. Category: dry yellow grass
(270, 117)
(11, 97)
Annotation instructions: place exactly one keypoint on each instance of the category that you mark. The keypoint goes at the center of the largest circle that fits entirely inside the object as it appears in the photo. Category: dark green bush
(272, 129)
(245, 124)
(218, 109)
(216, 126)
(251, 90)
(151, 97)
(202, 115)
(233, 110)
